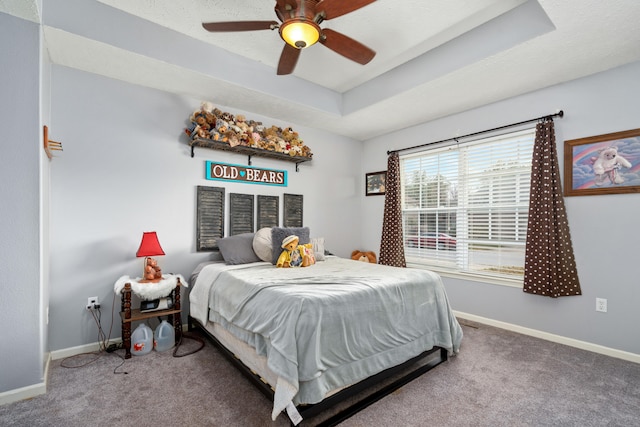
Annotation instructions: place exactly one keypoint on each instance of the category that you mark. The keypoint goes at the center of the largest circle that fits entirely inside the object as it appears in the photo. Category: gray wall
(605, 229)
(21, 352)
(126, 168)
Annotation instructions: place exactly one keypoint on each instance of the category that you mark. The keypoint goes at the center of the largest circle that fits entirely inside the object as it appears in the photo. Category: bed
(313, 333)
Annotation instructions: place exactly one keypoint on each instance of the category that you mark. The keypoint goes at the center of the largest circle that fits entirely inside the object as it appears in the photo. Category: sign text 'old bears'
(247, 174)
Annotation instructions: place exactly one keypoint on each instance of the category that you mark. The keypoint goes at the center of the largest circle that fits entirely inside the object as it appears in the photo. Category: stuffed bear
(211, 120)
(295, 255)
(364, 256)
(245, 139)
(152, 271)
(288, 134)
(206, 106)
(215, 135)
(306, 151)
(227, 117)
(231, 137)
(199, 132)
(201, 120)
(241, 122)
(606, 165)
(257, 139)
(222, 126)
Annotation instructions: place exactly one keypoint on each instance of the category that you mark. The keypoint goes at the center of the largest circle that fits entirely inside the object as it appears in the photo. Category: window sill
(502, 281)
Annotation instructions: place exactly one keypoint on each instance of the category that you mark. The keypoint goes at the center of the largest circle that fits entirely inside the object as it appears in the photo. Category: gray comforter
(334, 323)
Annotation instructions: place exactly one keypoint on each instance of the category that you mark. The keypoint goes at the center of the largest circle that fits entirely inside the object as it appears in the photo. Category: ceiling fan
(300, 28)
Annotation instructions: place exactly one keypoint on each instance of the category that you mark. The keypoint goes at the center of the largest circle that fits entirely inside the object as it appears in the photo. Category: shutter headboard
(210, 217)
(241, 218)
(268, 211)
(293, 210)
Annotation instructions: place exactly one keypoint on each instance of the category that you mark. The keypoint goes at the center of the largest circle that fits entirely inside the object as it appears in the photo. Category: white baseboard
(88, 348)
(85, 348)
(583, 345)
(22, 393)
(41, 388)
(28, 392)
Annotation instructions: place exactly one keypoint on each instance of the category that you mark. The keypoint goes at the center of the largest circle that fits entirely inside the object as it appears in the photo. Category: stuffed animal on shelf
(211, 123)
(364, 256)
(241, 122)
(295, 255)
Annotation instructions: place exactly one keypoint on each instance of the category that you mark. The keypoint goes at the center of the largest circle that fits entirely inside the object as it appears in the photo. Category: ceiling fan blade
(288, 59)
(334, 8)
(240, 26)
(346, 46)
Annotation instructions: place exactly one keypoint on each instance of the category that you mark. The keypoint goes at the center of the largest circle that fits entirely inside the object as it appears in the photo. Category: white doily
(150, 291)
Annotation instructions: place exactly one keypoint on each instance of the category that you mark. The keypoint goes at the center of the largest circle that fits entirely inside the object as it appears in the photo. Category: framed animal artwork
(602, 164)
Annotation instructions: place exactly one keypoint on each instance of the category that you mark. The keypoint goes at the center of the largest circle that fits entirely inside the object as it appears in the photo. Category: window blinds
(465, 208)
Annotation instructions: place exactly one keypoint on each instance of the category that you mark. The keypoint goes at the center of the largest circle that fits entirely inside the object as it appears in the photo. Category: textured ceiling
(434, 58)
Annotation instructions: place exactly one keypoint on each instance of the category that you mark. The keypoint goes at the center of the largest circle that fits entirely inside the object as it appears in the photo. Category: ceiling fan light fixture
(300, 33)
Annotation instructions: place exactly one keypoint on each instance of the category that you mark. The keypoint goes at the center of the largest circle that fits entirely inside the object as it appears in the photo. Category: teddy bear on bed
(295, 255)
(607, 164)
(364, 256)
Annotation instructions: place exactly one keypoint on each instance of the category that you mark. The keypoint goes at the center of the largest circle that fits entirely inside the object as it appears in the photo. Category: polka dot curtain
(550, 267)
(391, 245)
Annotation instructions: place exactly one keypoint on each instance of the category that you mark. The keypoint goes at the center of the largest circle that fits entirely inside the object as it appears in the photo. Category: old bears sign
(250, 175)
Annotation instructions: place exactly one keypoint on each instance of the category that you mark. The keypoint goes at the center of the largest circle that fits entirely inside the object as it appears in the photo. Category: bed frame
(430, 358)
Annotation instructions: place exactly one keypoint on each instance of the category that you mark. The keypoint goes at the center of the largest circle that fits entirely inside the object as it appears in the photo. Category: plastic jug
(141, 340)
(164, 336)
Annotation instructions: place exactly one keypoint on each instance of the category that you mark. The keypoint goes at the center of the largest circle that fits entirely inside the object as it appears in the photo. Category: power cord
(184, 335)
(102, 341)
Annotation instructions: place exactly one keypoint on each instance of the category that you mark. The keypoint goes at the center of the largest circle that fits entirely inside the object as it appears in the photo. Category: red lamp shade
(149, 246)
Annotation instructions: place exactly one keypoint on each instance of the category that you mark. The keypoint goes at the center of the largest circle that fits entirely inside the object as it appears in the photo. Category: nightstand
(129, 315)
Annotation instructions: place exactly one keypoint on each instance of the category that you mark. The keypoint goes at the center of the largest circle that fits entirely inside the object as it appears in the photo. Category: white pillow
(262, 244)
(318, 248)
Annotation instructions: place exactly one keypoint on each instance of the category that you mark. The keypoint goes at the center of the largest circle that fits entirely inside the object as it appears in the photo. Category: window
(465, 208)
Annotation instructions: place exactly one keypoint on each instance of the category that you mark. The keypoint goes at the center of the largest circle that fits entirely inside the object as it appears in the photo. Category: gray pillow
(278, 234)
(238, 249)
(216, 256)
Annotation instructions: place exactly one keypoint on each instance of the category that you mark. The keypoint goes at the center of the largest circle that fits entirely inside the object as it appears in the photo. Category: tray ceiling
(434, 58)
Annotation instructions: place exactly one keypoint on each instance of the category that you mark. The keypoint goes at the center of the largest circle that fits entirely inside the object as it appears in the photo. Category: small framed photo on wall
(375, 183)
(602, 164)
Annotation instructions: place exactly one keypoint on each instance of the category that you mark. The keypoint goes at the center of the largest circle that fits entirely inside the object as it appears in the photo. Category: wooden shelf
(129, 315)
(248, 151)
(136, 314)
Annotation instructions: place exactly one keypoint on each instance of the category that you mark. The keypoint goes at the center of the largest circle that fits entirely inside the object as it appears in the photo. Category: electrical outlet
(601, 305)
(92, 302)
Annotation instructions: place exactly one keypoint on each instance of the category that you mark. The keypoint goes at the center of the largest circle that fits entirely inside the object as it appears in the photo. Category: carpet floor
(500, 378)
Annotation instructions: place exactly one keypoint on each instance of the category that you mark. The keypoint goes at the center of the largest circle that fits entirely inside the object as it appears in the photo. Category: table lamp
(150, 246)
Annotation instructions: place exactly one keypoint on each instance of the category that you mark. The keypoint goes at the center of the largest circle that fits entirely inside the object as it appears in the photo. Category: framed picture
(602, 164)
(375, 183)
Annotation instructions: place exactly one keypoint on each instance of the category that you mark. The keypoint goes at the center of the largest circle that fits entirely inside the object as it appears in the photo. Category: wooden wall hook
(50, 145)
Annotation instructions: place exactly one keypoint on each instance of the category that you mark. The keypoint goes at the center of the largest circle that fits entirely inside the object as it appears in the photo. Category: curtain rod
(548, 117)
